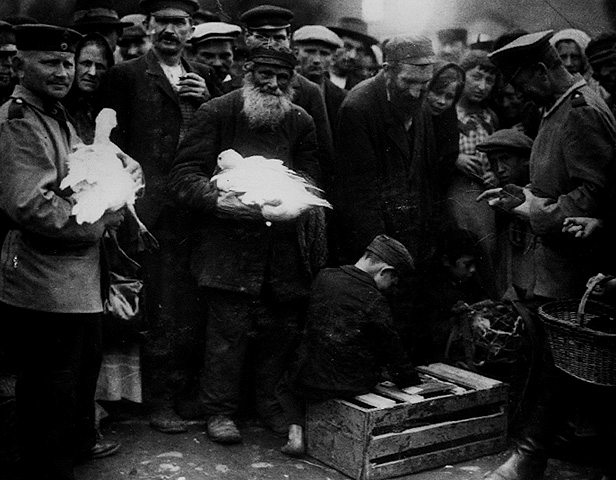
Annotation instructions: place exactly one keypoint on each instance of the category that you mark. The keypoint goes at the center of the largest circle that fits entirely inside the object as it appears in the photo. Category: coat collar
(153, 68)
(580, 82)
(355, 272)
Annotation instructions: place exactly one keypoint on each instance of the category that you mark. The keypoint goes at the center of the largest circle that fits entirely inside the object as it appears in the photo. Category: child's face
(441, 100)
(463, 268)
(510, 167)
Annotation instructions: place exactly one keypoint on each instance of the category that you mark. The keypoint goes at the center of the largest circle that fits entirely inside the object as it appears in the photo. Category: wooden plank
(397, 394)
(405, 412)
(424, 436)
(459, 376)
(434, 459)
(340, 415)
(430, 388)
(376, 400)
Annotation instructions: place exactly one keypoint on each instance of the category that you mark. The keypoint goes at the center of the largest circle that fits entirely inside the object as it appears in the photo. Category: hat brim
(367, 39)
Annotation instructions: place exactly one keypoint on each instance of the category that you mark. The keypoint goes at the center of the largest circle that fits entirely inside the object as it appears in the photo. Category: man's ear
(248, 66)
(387, 269)
(541, 70)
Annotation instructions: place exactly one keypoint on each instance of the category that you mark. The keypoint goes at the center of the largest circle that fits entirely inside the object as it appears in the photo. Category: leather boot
(527, 462)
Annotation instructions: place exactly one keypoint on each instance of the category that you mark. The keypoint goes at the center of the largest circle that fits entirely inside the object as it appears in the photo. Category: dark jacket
(233, 254)
(349, 337)
(149, 121)
(384, 175)
(334, 96)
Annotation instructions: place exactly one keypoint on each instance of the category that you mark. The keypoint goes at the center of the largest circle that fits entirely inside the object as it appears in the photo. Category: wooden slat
(433, 459)
(376, 400)
(397, 394)
(424, 436)
(430, 388)
(458, 376)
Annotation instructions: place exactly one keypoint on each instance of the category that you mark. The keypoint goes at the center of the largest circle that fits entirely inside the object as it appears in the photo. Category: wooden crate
(454, 415)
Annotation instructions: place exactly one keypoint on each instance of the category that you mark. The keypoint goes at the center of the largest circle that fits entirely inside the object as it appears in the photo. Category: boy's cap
(392, 252)
(506, 139)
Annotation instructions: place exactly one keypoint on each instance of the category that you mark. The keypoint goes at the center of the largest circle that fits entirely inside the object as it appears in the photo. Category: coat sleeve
(357, 185)
(195, 161)
(589, 149)
(28, 189)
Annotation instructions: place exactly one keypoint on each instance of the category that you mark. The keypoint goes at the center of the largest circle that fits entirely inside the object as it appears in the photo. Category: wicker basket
(584, 353)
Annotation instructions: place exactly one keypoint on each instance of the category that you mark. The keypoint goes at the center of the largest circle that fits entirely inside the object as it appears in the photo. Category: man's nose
(169, 28)
(92, 70)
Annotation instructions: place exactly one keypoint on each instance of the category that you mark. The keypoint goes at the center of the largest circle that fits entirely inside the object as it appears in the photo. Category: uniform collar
(50, 107)
(580, 83)
(353, 271)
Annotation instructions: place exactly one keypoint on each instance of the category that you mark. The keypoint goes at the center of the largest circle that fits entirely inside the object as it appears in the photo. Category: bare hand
(582, 227)
(469, 165)
(229, 206)
(133, 168)
(506, 198)
(193, 86)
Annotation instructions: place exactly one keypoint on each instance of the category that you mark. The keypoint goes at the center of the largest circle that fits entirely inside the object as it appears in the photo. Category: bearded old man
(251, 273)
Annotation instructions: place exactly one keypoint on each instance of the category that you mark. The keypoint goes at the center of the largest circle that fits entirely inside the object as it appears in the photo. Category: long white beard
(265, 109)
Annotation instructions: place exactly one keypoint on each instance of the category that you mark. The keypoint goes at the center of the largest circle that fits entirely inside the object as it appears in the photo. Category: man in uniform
(50, 273)
(252, 273)
(155, 97)
(571, 167)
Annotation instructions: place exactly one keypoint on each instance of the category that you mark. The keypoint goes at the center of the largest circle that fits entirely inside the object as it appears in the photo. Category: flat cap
(267, 17)
(450, 35)
(410, 49)
(7, 37)
(353, 27)
(273, 54)
(525, 50)
(601, 49)
(506, 139)
(95, 13)
(215, 31)
(136, 28)
(46, 38)
(152, 6)
(317, 33)
(392, 252)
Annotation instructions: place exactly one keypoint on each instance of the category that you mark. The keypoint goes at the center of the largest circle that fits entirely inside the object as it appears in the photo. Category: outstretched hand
(582, 227)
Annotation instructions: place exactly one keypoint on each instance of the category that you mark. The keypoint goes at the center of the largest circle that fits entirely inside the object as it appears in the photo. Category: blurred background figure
(205, 16)
(134, 41)
(100, 17)
(601, 52)
(452, 44)
(346, 70)
(482, 42)
(212, 44)
(8, 49)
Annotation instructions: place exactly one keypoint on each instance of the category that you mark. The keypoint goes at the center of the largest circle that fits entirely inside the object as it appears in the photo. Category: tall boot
(527, 462)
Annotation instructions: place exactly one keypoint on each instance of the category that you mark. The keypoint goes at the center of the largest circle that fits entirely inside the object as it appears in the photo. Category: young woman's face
(441, 100)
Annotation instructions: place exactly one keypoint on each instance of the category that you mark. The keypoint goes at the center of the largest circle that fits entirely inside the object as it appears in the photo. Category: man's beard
(265, 109)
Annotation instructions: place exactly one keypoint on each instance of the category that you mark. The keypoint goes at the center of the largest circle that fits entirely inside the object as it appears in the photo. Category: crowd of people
(456, 174)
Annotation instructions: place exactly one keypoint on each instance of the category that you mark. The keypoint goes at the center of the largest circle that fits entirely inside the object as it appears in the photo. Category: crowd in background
(454, 172)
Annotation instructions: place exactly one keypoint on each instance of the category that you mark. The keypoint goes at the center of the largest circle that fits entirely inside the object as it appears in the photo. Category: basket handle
(590, 286)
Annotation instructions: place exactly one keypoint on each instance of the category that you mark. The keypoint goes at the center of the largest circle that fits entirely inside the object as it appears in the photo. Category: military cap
(96, 13)
(506, 139)
(317, 33)
(136, 29)
(392, 252)
(48, 38)
(7, 37)
(355, 28)
(20, 19)
(601, 49)
(522, 51)
(273, 54)
(153, 6)
(215, 31)
(410, 49)
(450, 35)
(267, 17)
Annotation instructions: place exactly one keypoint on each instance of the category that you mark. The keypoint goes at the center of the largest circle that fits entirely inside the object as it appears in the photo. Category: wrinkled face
(349, 58)
(386, 279)
(463, 268)
(257, 37)
(510, 167)
(90, 68)
(271, 79)
(452, 51)
(314, 59)
(218, 54)
(170, 30)
(606, 76)
(134, 47)
(441, 100)
(406, 83)
(478, 84)
(571, 55)
(6, 67)
(49, 74)
(511, 102)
